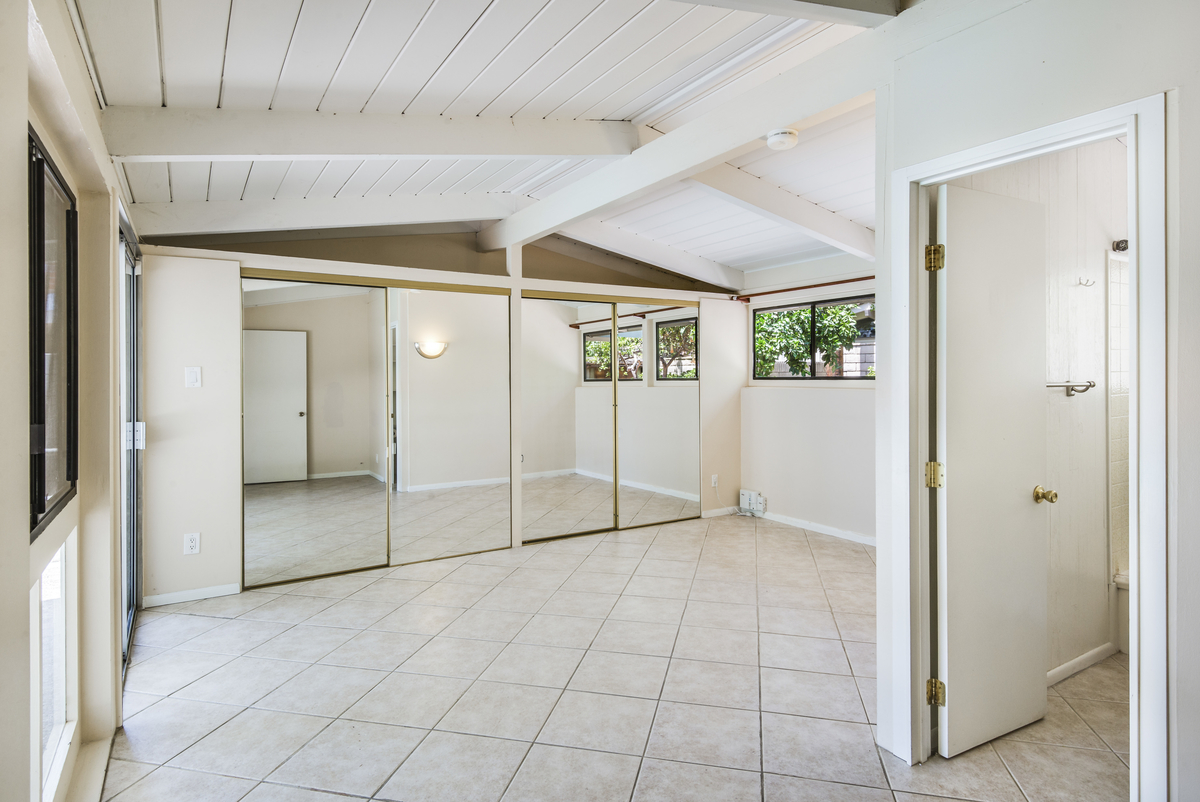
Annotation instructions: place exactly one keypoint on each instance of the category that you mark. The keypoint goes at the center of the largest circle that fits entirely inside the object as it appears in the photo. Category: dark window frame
(658, 325)
(812, 307)
(41, 169)
(608, 331)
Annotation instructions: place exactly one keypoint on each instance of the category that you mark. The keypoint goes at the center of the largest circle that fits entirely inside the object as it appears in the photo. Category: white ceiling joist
(766, 199)
(136, 134)
(831, 83)
(864, 13)
(625, 243)
(215, 217)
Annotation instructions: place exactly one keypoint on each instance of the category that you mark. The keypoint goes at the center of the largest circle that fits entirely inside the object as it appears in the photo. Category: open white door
(992, 537)
(274, 406)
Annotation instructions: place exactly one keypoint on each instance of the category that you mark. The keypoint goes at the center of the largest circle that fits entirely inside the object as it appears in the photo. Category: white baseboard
(665, 491)
(339, 474)
(377, 476)
(1088, 660)
(195, 594)
(548, 474)
(822, 529)
(719, 511)
(468, 483)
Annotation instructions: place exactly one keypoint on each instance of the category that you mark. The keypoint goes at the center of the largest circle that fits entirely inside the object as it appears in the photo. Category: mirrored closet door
(450, 494)
(595, 416)
(315, 429)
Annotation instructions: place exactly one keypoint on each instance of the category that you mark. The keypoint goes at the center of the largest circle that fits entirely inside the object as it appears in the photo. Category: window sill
(823, 384)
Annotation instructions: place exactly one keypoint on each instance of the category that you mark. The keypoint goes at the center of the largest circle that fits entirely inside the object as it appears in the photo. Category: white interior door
(992, 537)
(275, 406)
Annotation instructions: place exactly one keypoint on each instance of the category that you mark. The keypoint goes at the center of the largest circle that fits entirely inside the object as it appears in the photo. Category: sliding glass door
(134, 437)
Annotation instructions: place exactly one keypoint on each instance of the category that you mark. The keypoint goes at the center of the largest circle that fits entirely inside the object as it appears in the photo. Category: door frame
(903, 574)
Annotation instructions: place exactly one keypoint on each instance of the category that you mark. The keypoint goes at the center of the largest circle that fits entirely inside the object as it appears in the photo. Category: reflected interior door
(992, 536)
(134, 445)
(275, 403)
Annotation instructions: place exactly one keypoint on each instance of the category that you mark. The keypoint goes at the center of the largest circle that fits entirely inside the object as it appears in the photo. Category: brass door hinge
(935, 692)
(935, 474)
(935, 257)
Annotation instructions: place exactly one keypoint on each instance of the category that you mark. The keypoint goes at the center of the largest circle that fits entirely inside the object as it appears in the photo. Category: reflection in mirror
(567, 417)
(450, 392)
(314, 379)
(658, 422)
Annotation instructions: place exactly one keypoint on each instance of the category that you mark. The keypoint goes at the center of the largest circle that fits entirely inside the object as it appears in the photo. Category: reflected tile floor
(427, 524)
(298, 529)
(720, 659)
(558, 505)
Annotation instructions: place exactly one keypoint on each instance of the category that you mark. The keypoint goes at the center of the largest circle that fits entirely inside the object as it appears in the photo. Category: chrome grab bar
(1073, 387)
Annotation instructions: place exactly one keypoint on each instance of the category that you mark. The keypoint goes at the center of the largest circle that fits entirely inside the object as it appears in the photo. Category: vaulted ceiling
(242, 115)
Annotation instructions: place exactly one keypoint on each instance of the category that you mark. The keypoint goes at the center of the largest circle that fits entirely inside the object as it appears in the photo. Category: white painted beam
(625, 243)
(215, 217)
(162, 134)
(765, 199)
(803, 92)
(865, 13)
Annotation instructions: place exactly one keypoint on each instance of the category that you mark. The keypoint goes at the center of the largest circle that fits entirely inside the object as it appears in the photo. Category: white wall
(956, 76)
(811, 451)
(193, 460)
(550, 359)
(345, 360)
(458, 403)
(725, 367)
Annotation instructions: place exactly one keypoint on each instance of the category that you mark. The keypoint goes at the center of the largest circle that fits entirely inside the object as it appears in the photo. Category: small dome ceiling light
(782, 139)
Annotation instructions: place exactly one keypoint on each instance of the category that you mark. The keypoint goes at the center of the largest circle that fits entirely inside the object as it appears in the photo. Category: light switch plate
(191, 377)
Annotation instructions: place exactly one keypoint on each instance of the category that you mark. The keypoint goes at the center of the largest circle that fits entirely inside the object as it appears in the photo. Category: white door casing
(275, 406)
(991, 436)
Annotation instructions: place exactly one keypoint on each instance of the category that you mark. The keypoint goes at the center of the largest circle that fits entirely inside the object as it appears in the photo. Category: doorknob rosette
(1041, 494)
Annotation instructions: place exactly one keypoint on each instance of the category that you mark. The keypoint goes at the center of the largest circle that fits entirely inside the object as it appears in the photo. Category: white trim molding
(820, 529)
(196, 594)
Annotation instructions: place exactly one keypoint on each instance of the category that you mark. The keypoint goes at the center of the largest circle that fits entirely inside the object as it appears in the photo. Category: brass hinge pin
(935, 257)
(935, 692)
(935, 474)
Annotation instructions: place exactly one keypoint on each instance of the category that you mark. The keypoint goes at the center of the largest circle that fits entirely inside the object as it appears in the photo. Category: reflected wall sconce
(431, 350)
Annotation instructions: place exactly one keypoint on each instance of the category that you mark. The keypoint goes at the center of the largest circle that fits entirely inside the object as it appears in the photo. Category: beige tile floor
(723, 659)
(559, 505)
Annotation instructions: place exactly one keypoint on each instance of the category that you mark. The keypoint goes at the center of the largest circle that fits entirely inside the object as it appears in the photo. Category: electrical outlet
(191, 543)
(714, 480)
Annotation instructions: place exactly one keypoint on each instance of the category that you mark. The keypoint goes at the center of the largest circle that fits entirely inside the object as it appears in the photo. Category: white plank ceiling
(659, 63)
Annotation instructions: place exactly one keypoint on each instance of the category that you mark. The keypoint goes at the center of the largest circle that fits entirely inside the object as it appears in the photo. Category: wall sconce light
(431, 350)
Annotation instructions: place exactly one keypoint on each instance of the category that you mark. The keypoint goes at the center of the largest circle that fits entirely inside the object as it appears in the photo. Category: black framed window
(53, 340)
(597, 355)
(821, 339)
(677, 354)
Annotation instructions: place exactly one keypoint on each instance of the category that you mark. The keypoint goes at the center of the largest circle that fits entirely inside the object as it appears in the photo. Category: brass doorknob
(1041, 494)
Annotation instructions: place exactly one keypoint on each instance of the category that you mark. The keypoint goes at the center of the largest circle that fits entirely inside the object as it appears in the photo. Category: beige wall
(14, 404)
(550, 355)
(724, 365)
(345, 369)
(193, 460)
(458, 403)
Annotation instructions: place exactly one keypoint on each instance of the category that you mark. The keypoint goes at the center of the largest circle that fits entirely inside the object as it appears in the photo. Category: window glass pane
(54, 659)
(629, 354)
(56, 333)
(597, 356)
(781, 340)
(845, 333)
(677, 349)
